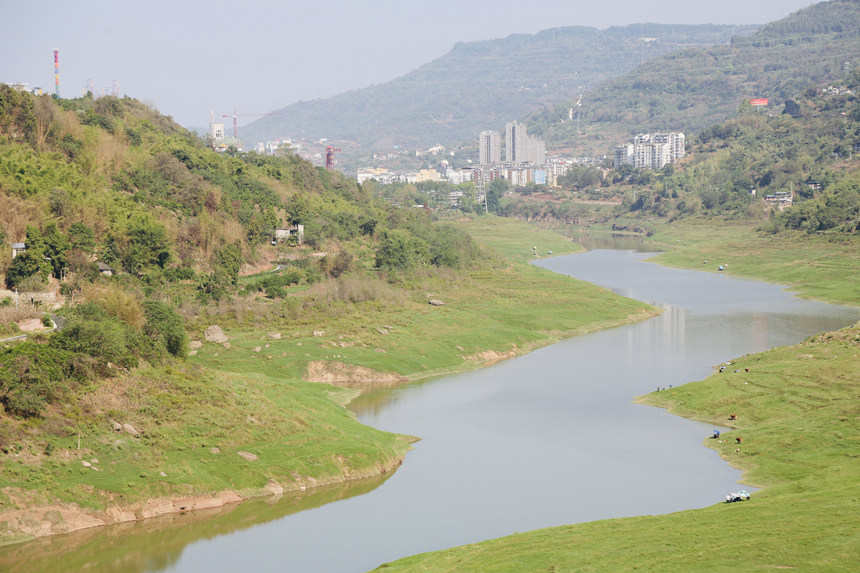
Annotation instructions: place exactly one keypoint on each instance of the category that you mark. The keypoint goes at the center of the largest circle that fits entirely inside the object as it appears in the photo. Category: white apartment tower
(521, 147)
(489, 148)
(515, 136)
(654, 150)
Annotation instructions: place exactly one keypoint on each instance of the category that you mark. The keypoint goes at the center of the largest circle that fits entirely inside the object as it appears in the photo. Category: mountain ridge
(481, 85)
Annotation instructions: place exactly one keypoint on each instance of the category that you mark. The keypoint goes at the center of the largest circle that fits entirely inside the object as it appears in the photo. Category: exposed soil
(342, 374)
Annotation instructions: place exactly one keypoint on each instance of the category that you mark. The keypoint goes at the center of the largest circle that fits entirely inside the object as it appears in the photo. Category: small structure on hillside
(780, 199)
(18, 248)
(104, 269)
(282, 235)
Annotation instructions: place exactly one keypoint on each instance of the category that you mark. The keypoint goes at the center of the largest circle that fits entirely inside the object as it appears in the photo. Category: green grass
(505, 306)
(300, 432)
(517, 240)
(799, 418)
(822, 267)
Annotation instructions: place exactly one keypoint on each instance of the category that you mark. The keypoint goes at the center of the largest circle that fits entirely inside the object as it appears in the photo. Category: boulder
(129, 429)
(215, 334)
(194, 344)
(274, 335)
(436, 302)
(248, 456)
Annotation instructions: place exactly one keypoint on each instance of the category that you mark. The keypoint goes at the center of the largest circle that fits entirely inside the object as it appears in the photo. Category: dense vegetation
(693, 89)
(109, 181)
(805, 150)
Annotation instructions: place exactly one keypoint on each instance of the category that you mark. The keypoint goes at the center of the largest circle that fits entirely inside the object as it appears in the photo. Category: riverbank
(820, 266)
(796, 415)
(244, 417)
(182, 439)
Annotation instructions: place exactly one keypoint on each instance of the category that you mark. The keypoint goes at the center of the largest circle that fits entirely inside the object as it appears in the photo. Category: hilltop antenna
(329, 156)
(57, 73)
(236, 117)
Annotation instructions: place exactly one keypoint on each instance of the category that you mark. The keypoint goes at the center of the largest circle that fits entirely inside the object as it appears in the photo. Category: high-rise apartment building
(489, 147)
(515, 135)
(653, 150)
(520, 147)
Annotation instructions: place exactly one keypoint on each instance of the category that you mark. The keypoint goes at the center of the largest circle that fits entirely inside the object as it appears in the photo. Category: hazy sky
(186, 56)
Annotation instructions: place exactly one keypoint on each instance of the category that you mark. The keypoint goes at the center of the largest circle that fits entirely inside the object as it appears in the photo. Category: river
(545, 439)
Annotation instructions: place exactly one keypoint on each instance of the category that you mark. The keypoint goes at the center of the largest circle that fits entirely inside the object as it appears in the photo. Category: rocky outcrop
(215, 334)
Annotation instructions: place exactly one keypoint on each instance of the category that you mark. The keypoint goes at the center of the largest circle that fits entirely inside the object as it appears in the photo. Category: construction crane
(329, 156)
(235, 116)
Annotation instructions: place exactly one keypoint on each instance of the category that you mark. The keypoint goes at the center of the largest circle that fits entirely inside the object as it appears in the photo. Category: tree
(165, 326)
(81, 238)
(147, 244)
(792, 108)
(401, 250)
(228, 260)
(56, 248)
(495, 192)
(298, 209)
(27, 264)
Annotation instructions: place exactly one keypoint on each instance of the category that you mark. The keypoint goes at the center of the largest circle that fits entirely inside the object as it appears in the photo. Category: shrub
(31, 376)
(165, 326)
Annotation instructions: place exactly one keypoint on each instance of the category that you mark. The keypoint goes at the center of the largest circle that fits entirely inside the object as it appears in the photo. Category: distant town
(526, 161)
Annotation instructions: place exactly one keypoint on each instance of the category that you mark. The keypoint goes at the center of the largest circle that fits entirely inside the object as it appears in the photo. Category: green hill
(482, 85)
(693, 89)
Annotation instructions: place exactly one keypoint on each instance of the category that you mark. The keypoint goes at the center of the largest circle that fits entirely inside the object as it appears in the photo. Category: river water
(545, 439)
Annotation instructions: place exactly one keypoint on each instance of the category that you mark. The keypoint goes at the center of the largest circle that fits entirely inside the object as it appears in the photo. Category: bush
(165, 327)
(31, 376)
(400, 250)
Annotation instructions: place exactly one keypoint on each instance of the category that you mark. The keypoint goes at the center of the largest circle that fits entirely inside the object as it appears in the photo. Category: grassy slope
(505, 307)
(799, 419)
(822, 267)
(299, 431)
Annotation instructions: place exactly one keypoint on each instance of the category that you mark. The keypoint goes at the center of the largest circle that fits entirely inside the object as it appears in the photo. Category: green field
(822, 267)
(798, 416)
(504, 308)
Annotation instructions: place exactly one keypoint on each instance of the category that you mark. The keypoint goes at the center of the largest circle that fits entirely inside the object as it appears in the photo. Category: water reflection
(613, 241)
(157, 544)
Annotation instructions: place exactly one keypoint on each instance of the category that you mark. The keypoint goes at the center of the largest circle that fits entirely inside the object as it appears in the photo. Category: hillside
(481, 85)
(159, 340)
(693, 89)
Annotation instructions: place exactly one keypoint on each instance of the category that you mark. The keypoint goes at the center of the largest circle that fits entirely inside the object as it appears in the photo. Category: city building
(520, 147)
(216, 130)
(651, 150)
(489, 148)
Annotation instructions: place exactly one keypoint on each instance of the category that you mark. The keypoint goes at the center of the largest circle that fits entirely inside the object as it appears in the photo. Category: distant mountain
(696, 88)
(483, 85)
